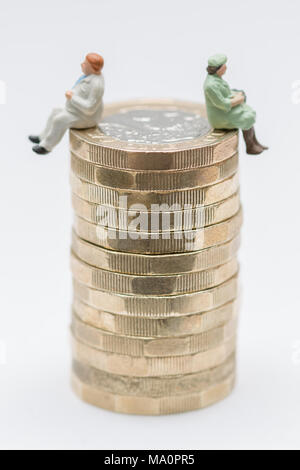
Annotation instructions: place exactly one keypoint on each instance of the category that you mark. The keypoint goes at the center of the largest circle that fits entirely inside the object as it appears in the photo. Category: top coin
(154, 135)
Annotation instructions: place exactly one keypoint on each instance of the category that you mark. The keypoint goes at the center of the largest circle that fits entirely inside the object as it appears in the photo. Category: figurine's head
(217, 65)
(93, 63)
(221, 70)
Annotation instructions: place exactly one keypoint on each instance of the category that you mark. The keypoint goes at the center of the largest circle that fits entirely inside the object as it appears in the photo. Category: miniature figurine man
(227, 108)
(83, 108)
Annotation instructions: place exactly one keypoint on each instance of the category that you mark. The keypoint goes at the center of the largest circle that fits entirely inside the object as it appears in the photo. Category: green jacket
(218, 103)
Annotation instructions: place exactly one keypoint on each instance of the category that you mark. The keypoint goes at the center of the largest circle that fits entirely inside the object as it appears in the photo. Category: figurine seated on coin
(83, 108)
(227, 108)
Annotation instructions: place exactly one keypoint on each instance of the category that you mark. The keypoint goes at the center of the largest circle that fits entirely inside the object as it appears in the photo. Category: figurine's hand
(241, 96)
(238, 98)
(69, 95)
(238, 94)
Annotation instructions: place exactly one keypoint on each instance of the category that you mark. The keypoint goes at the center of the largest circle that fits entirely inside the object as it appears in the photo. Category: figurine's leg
(36, 139)
(253, 148)
(58, 125)
(54, 113)
(256, 141)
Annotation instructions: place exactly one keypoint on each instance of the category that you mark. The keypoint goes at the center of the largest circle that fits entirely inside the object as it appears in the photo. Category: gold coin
(151, 347)
(192, 197)
(152, 366)
(154, 180)
(159, 220)
(188, 152)
(130, 263)
(151, 285)
(158, 307)
(156, 327)
(150, 405)
(158, 243)
(157, 387)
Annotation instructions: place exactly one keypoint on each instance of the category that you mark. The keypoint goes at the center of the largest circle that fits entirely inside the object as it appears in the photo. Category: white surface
(151, 49)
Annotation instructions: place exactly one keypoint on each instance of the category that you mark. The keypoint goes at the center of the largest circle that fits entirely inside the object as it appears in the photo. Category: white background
(156, 48)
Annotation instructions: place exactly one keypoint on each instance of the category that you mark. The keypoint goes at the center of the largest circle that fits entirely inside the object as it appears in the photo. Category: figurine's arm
(89, 105)
(218, 100)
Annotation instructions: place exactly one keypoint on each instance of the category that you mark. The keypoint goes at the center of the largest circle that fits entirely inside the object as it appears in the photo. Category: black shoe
(34, 139)
(40, 150)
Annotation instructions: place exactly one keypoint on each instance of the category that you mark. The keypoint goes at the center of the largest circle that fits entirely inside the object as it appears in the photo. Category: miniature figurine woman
(227, 108)
(83, 108)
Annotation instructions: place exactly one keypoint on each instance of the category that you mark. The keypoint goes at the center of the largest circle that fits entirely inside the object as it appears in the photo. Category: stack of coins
(154, 259)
